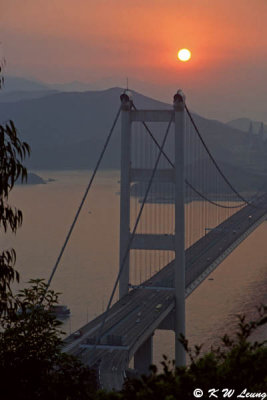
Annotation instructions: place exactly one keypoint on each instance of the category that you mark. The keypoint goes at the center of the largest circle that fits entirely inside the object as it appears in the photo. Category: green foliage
(30, 352)
(32, 365)
(12, 154)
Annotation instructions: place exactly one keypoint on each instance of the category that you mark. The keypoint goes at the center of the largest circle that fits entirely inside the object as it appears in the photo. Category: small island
(33, 179)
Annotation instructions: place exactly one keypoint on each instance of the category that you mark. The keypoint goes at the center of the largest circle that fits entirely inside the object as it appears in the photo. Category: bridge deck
(131, 320)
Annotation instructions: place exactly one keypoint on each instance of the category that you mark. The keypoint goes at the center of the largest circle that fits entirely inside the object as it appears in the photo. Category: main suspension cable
(210, 201)
(84, 197)
(186, 181)
(213, 160)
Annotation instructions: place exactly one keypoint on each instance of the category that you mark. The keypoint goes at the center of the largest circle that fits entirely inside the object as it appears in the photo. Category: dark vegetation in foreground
(33, 366)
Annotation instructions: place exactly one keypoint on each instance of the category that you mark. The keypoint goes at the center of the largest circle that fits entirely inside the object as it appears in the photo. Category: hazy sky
(92, 40)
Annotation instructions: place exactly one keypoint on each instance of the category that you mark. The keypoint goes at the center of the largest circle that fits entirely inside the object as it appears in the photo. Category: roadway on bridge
(134, 318)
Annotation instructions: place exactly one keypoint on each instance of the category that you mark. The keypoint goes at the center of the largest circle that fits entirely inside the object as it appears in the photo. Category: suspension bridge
(180, 217)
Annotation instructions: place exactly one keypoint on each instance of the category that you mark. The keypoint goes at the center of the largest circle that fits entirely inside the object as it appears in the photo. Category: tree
(13, 151)
(32, 364)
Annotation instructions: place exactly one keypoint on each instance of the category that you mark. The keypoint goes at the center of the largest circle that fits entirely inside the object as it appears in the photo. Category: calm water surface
(89, 266)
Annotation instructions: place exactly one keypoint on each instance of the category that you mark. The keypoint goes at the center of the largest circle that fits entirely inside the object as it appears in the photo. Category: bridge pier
(143, 358)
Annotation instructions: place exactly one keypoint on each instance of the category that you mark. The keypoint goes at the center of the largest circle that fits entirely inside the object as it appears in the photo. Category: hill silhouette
(67, 130)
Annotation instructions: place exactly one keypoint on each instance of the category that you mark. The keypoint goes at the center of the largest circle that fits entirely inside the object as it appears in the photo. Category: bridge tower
(174, 242)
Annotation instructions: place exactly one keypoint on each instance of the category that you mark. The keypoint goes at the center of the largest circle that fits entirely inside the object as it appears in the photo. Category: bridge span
(131, 321)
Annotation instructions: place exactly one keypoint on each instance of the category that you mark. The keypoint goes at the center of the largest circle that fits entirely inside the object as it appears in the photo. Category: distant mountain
(244, 125)
(16, 89)
(15, 84)
(75, 86)
(68, 130)
(9, 97)
(33, 179)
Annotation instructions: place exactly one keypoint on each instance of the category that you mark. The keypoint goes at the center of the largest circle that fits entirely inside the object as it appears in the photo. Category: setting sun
(184, 55)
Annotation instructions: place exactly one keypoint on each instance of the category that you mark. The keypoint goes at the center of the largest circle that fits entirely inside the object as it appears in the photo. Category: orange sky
(88, 40)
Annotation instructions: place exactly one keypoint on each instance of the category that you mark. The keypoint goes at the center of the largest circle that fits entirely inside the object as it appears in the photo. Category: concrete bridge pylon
(176, 243)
